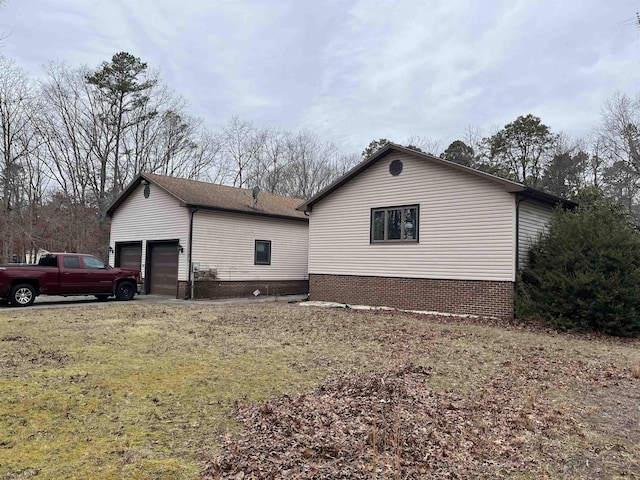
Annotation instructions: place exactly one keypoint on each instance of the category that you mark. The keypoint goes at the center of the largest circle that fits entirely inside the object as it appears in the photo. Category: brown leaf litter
(392, 425)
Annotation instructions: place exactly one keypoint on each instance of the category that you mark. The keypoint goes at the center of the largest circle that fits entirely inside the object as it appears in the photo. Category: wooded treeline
(72, 140)
(606, 162)
(526, 150)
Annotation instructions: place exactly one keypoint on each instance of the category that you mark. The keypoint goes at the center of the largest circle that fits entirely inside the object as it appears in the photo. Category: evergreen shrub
(584, 274)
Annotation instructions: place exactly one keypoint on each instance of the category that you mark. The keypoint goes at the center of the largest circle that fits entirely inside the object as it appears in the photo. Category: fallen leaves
(391, 425)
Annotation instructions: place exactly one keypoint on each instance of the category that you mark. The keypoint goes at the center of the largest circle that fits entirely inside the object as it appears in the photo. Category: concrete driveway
(84, 301)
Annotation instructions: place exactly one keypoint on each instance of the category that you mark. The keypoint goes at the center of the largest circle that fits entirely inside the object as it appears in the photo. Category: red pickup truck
(66, 274)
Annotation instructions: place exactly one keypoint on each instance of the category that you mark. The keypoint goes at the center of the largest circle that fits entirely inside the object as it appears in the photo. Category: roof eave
(548, 198)
(246, 212)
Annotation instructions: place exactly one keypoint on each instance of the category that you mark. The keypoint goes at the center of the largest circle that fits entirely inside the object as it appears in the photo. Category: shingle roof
(217, 197)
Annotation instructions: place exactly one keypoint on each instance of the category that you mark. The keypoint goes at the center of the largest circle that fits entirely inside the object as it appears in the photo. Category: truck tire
(125, 291)
(22, 295)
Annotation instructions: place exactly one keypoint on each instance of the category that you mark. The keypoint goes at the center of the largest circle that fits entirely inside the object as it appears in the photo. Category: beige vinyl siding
(159, 217)
(466, 225)
(225, 241)
(533, 218)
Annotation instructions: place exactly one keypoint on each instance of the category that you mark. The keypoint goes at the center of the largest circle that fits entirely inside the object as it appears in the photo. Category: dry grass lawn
(139, 391)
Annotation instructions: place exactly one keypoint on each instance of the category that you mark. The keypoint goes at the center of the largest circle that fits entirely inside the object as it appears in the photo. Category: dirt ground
(283, 391)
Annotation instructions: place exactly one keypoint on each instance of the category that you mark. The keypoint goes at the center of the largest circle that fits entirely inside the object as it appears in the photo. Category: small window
(262, 252)
(48, 261)
(71, 262)
(394, 224)
(92, 263)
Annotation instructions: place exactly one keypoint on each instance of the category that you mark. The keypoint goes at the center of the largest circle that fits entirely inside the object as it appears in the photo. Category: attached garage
(210, 241)
(162, 275)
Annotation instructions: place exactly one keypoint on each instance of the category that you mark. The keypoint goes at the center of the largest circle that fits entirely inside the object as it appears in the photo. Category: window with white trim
(394, 224)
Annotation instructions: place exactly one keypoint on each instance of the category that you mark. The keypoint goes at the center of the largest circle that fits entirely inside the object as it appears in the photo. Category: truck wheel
(23, 295)
(125, 291)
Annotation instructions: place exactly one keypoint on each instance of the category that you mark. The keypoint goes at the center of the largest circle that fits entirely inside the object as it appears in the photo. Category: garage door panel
(164, 269)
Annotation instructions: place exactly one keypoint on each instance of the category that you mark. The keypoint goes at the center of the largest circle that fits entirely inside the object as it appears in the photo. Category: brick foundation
(215, 289)
(475, 297)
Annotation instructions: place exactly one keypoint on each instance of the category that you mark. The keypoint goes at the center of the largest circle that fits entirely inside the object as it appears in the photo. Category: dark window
(48, 261)
(262, 252)
(71, 262)
(394, 224)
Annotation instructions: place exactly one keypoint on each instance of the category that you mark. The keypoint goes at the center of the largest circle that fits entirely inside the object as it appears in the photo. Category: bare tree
(2, 34)
(472, 136)
(311, 165)
(67, 128)
(597, 161)
(145, 145)
(207, 162)
(17, 140)
(425, 144)
(272, 159)
(71, 134)
(618, 150)
(620, 129)
(242, 143)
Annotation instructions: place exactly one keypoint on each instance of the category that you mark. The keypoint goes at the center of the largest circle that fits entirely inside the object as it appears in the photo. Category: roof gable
(509, 186)
(192, 193)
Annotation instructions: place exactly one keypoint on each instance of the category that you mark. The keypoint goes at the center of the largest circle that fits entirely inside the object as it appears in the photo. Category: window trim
(400, 240)
(255, 252)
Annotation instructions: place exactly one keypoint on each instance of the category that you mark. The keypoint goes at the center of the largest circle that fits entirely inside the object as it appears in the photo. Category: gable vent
(395, 168)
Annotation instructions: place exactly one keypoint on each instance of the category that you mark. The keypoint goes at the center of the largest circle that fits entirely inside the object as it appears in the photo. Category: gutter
(189, 292)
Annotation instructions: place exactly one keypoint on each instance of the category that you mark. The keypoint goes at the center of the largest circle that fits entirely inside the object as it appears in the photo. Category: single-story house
(408, 230)
(202, 240)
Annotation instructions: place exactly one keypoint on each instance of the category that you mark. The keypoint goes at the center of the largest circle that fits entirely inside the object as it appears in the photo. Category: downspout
(518, 234)
(515, 283)
(306, 212)
(189, 292)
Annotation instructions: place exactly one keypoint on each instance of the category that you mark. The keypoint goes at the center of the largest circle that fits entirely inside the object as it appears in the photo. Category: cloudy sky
(356, 70)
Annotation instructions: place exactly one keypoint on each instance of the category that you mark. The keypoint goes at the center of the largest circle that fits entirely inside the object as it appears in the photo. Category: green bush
(584, 274)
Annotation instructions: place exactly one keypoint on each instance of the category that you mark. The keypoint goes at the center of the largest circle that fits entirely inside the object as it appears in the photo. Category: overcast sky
(353, 71)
